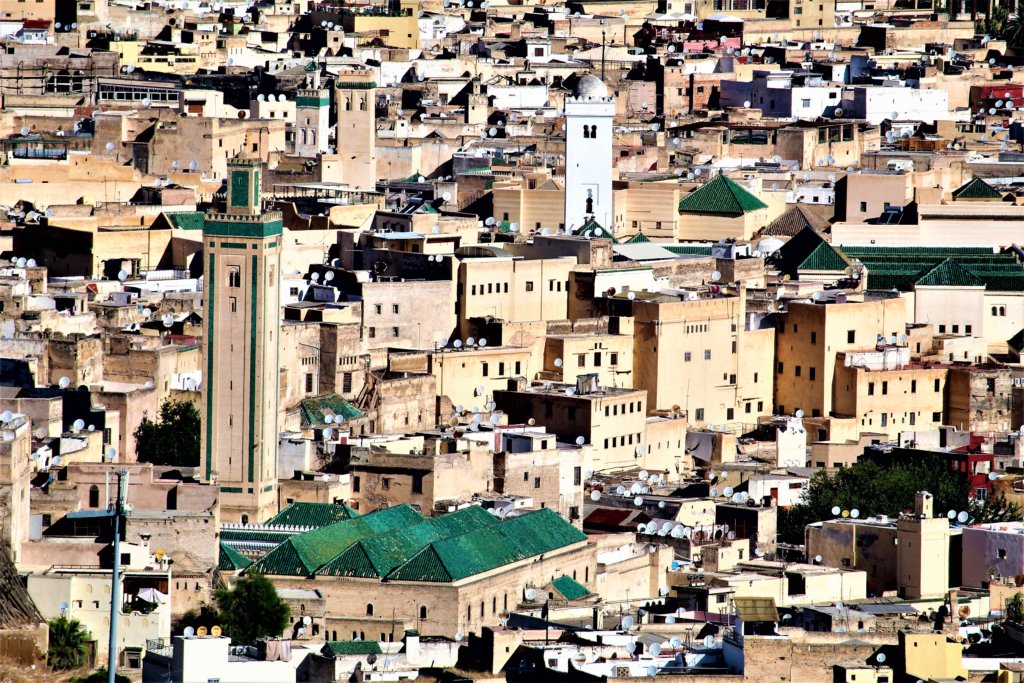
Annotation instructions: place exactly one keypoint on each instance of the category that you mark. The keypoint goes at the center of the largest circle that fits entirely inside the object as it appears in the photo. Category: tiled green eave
(976, 188)
(223, 225)
(353, 647)
(284, 560)
(187, 220)
(720, 195)
(312, 515)
(948, 273)
(823, 257)
(312, 102)
(570, 588)
(426, 566)
(231, 560)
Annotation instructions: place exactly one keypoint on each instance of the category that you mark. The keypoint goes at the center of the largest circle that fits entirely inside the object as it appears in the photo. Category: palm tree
(1013, 31)
(68, 640)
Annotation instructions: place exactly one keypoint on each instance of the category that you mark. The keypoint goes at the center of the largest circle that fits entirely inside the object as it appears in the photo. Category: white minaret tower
(588, 154)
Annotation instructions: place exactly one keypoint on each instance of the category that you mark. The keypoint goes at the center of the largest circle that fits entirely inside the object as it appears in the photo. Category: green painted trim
(252, 369)
(239, 189)
(208, 380)
(233, 245)
(268, 487)
(356, 85)
(251, 229)
(312, 102)
(231, 489)
(271, 245)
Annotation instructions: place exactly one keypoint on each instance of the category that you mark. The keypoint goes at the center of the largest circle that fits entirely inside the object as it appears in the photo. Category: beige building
(468, 376)
(811, 334)
(241, 340)
(491, 282)
(693, 352)
(887, 393)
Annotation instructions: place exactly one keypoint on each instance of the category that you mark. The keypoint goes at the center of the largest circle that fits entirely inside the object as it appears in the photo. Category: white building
(878, 103)
(588, 154)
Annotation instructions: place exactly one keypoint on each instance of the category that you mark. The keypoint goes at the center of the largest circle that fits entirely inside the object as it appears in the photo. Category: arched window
(94, 496)
(586, 131)
(423, 611)
(362, 104)
(369, 609)
(348, 104)
(234, 277)
(593, 131)
(245, 519)
(1002, 310)
(995, 310)
(590, 205)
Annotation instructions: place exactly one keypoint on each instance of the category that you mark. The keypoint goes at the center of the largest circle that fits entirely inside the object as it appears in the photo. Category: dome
(591, 87)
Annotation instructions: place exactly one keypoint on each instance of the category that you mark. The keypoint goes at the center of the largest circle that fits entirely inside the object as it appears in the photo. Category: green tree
(886, 489)
(1015, 608)
(68, 640)
(994, 509)
(173, 439)
(252, 609)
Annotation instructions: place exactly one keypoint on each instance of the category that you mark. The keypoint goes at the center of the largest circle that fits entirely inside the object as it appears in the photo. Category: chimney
(923, 503)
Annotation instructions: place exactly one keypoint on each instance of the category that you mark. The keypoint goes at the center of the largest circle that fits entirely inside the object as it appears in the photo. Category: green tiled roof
(808, 250)
(976, 188)
(303, 554)
(689, 249)
(598, 230)
(948, 273)
(902, 267)
(377, 556)
(255, 535)
(720, 195)
(231, 559)
(314, 410)
(312, 515)
(351, 647)
(570, 588)
(638, 238)
(479, 551)
(187, 220)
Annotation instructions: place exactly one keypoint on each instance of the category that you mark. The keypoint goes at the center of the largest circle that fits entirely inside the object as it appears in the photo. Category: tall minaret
(588, 154)
(241, 305)
(312, 110)
(356, 102)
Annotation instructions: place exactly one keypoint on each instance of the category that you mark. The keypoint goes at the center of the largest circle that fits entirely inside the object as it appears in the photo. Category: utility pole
(116, 509)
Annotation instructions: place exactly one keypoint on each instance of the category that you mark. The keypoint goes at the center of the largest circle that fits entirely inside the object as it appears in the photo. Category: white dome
(591, 87)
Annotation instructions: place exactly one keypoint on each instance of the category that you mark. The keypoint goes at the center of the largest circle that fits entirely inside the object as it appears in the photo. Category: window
(913, 418)
(346, 383)
(372, 332)
(707, 354)
(378, 308)
(529, 286)
(423, 611)
(814, 337)
(936, 385)
(417, 483)
(781, 367)
(536, 482)
(577, 475)
(810, 374)
(729, 413)
(613, 359)
(234, 277)
(309, 382)
(851, 336)
(233, 303)
(871, 388)
(385, 483)
(369, 609)
(699, 414)
(936, 417)
(687, 357)
(94, 496)
(913, 386)
(798, 371)
(355, 484)
(885, 388)
(394, 308)
(967, 329)
(581, 361)
(484, 370)
(942, 329)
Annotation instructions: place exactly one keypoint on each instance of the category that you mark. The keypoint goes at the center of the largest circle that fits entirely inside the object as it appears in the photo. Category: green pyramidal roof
(638, 238)
(377, 556)
(808, 250)
(231, 559)
(302, 555)
(948, 273)
(312, 515)
(976, 188)
(720, 195)
(570, 588)
(488, 548)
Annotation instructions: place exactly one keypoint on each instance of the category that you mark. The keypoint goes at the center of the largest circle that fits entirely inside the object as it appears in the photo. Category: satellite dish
(78, 424)
(189, 632)
(111, 453)
(580, 440)
(963, 517)
(799, 413)
(56, 461)
(836, 510)
(531, 594)
(855, 513)
(201, 631)
(655, 650)
(558, 362)
(64, 383)
(709, 641)
(627, 622)
(328, 433)
(818, 559)
(6, 416)
(880, 658)
(595, 495)
(216, 631)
